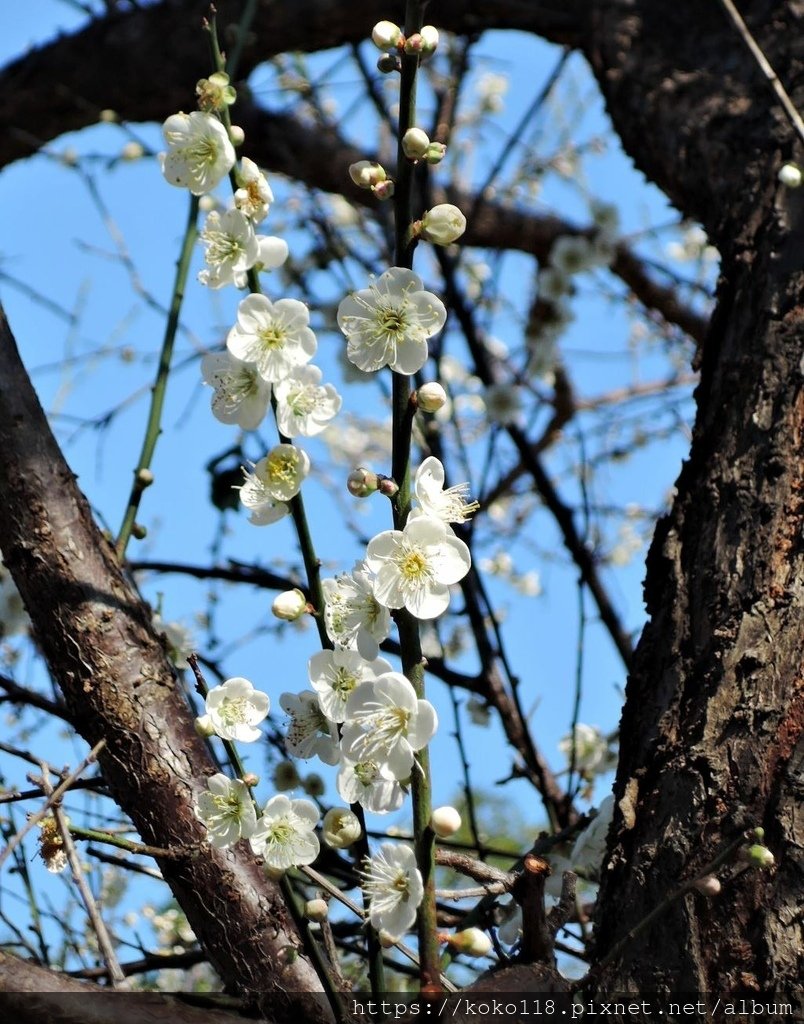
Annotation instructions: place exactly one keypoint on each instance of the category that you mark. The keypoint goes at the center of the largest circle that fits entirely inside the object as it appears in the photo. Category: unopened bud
(445, 821)
(131, 151)
(203, 726)
(236, 135)
(388, 63)
(313, 785)
(443, 224)
(436, 152)
(414, 143)
(429, 35)
(285, 776)
(384, 189)
(340, 828)
(431, 397)
(362, 482)
(108, 116)
(139, 532)
(388, 486)
(289, 605)
(414, 44)
(708, 885)
(316, 910)
(386, 35)
(759, 856)
(144, 478)
(366, 174)
(251, 780)
(470, 941)
(790, 175)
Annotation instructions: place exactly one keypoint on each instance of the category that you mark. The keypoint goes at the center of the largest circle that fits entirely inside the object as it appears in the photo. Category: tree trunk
(711, 735)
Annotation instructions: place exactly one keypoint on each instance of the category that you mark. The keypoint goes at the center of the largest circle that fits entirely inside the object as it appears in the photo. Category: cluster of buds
(389, 38)
(416, 145)
(372, 176)
(363, 482)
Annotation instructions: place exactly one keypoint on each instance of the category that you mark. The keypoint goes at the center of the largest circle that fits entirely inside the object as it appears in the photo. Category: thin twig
(115, 972)
(782, 95)
(56, 795)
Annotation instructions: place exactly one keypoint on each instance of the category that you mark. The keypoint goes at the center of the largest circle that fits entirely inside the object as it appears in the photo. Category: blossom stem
(410, 643)
(153, 426)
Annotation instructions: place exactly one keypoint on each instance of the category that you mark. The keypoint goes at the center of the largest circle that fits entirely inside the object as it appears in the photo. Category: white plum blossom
(241, 395)
(353, 617)
(394, 886)
(590, 846)
(572, 254)
(199, 152)
(334, 675)
(285, 833)
(231, 248)
(274, 335)
(310, 733)
(387, 723)
(370, 784)
(388, 323)
(415, 567)
(234, 708)
(226, 809)
(254, 196)
(289, 605)
(447, 505)
(275, 480)
(304, 405)
(591, 747)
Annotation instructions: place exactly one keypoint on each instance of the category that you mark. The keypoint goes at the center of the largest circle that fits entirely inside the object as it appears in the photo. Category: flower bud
(340, 828)
(366, 174)
(758, 856)
(313, 785)
(131, 151)
(236, 135)
(431, 397)
(443, 224)
(316, 910)
(388, 486)
(429, 36)
(445, 821)
(289, 605)
(388, 63)
(251, 780)
(414, 44)
(708, 885)
(362, 482)
(471, 941)
(436, 152)
(790, 175)
(203, 726)
(415, 143)
(386, 35)
(285, 776)
(144, 477)
(108, 116)
(384, 189)
(139, 532)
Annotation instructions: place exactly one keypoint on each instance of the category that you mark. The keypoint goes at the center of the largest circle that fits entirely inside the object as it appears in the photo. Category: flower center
(272, 337)
(366, 772)
(413, 565)
(391, 321)
(344, 682)
(222, 248)
(282, 467)
(235, 711)
(303, 402)
(280, 833)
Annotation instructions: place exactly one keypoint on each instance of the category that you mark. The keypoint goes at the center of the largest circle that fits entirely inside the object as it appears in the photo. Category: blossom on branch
(388, 323)
(415, 567)
(273, 335)
(285, 833)
(226, 809)
(353, 617)
(394, 886)
(231, 248)
(310, 733)
(234, 708)
(334, 675)
(386, 722)
(304, 405)
(241, 395)
(254, 196)
(199, 152)
(447, 505)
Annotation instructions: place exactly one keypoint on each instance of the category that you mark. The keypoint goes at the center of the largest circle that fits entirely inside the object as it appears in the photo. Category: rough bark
(95, 634)
(711, 735)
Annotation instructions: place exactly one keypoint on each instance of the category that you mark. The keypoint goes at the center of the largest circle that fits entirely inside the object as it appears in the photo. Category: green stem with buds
(410, 643)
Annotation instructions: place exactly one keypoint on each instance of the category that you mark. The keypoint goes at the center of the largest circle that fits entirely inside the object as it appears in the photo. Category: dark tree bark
(711, 738)
(711, 732)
